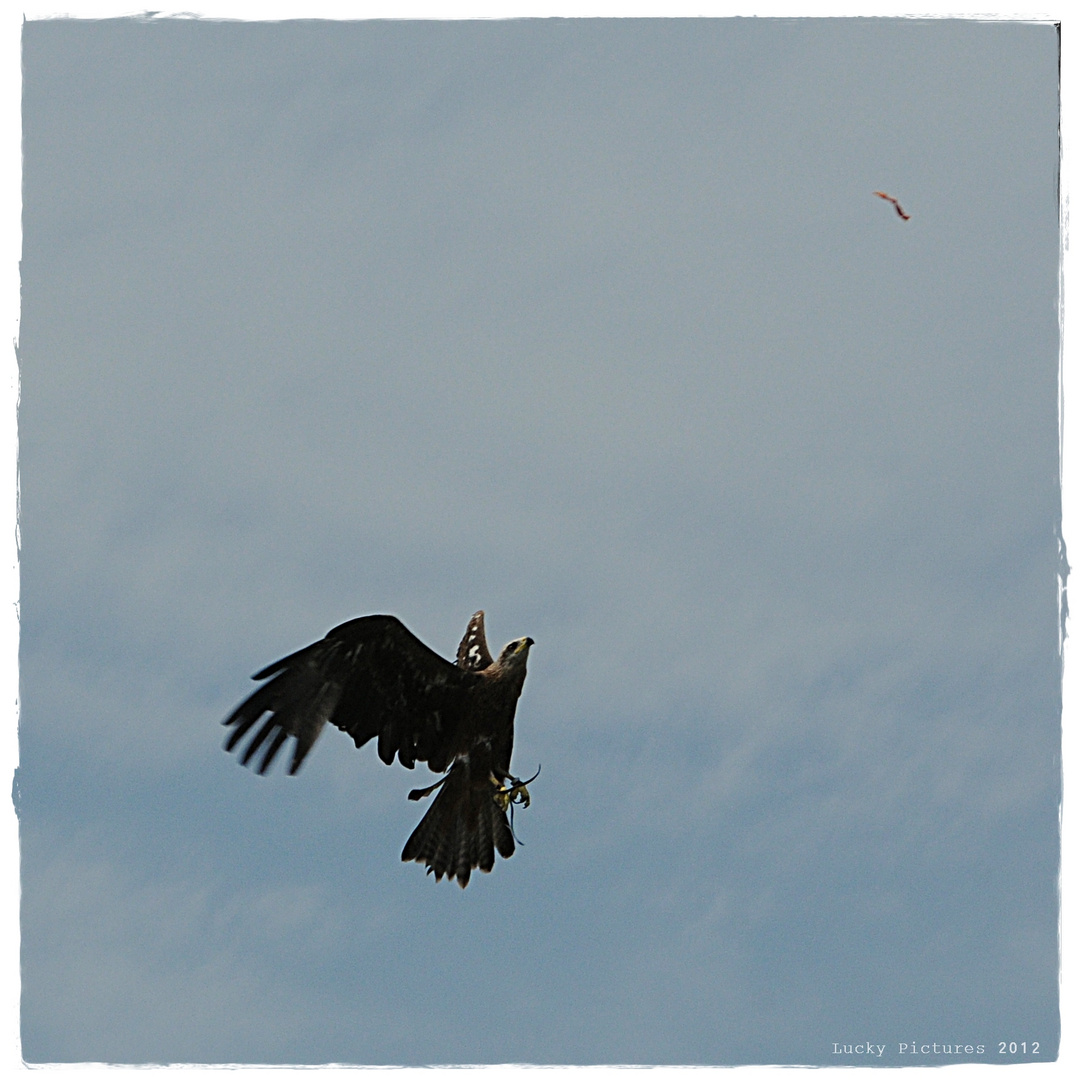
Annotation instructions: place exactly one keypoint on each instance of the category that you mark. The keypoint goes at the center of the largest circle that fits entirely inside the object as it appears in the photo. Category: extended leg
(517, 793)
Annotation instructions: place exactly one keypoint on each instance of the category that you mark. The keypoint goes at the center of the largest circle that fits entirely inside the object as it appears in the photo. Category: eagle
(896, 204)
(375, 679)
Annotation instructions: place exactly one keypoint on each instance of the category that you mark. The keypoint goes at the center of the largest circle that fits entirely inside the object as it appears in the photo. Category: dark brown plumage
(889, 198)
(373, 678)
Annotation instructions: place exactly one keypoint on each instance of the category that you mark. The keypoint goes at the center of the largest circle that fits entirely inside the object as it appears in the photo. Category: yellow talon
(517, 793)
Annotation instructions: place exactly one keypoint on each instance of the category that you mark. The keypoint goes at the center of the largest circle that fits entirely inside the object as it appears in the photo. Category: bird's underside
(374, 679)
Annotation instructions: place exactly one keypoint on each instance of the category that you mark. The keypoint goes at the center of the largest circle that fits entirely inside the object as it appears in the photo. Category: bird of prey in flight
(889, 198)
(373, 678)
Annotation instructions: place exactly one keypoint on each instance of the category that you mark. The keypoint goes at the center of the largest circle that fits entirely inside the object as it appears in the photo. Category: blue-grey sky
(598, 326)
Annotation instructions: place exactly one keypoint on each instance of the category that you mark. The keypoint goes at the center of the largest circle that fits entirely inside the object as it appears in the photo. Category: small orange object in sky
(889, 198)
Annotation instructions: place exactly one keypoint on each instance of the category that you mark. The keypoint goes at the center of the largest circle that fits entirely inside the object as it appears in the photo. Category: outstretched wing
(472, 653)
(896, 204)
(370, 677)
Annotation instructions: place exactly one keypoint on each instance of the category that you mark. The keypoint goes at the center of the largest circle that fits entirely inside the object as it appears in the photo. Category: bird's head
(516, 652)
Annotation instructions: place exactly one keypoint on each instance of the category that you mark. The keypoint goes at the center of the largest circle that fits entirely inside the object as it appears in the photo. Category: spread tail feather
(462, 829)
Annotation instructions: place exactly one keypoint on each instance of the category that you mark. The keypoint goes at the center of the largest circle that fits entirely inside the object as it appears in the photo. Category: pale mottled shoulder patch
(473, 654)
